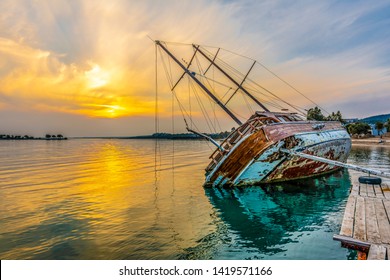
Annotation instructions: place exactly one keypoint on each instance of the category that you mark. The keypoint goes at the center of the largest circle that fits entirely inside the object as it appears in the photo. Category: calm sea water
(139, 199)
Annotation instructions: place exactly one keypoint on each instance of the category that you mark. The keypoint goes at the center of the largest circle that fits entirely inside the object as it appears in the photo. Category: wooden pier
(366, 222)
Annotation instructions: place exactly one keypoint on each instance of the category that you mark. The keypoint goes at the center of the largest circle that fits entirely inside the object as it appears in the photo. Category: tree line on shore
(355, 128)
(28, 137)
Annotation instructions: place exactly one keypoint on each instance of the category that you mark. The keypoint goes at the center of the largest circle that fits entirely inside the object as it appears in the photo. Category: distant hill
(377, 118)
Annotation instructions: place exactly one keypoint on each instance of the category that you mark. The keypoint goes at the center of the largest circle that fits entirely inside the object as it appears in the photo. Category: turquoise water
(138, 199)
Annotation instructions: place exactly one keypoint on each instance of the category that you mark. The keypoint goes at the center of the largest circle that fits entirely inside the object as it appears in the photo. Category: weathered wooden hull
(257, 157)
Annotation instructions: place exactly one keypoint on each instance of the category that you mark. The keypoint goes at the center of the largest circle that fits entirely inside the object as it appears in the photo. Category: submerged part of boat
(252, 153)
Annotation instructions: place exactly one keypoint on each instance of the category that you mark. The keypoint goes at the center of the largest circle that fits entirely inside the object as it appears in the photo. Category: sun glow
(107, 111)
(114, 110)
(97, 77)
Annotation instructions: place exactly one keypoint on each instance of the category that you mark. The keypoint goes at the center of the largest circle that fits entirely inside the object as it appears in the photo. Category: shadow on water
(264, 221)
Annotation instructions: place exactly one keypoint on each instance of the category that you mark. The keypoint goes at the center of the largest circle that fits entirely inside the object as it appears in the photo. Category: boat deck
(366, 223)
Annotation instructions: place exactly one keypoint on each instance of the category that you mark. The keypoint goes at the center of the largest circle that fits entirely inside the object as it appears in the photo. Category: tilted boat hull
(257, 157)
(257, 151)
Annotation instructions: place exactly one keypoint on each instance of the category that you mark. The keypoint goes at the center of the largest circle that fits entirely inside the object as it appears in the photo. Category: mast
(216, 100)
(231, 79)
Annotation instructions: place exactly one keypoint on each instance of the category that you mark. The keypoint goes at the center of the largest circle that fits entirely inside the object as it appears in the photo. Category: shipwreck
(270, 146)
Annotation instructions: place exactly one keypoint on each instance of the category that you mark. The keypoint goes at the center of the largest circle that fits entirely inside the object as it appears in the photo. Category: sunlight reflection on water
(119, 199)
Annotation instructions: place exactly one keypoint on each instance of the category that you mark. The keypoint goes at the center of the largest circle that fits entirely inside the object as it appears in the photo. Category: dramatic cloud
(84, 62)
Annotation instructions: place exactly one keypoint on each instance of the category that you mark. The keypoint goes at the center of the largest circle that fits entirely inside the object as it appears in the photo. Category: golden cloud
(38, 79)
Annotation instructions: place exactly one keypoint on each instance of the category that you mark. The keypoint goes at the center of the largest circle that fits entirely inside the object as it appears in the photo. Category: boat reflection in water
(283, 221)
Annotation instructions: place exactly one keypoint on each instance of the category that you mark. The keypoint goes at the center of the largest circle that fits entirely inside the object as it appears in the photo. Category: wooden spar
(337, 163)
(352, 241)
(216, 100)
(231, 79)
(188, 66)
(250, 69)
(215, 56)
(208, 138)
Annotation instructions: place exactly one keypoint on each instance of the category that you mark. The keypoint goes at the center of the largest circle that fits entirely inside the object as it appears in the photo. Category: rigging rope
(212, 104)
(274, 74)
(157, 148)
(238, 73)
(284, 81)
(181, 107)
(202, 108)
(262, 65)
(156, 120)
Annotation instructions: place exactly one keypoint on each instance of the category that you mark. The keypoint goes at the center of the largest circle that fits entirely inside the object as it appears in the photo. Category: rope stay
(270, 95)
(243, 80)
(287, 83)
(188, 66)
(211, 64)
(182, 108)
(212, 104)
(253, 93)
(156, 118)
(200, 84)
(274, 74)
(233, 80)
(240, 75)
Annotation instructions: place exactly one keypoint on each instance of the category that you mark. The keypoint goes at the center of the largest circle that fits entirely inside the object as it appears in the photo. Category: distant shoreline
(162, 136)
(375, 141)
(372, 142)
(29, 139)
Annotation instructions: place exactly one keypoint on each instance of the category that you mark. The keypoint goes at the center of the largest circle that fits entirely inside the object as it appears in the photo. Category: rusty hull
(257, 159)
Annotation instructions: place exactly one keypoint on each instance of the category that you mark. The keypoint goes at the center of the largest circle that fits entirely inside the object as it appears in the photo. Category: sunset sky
(86, 68)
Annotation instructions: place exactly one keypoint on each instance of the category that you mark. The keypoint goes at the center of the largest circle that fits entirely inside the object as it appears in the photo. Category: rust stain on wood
(242, 155)
(258, 142)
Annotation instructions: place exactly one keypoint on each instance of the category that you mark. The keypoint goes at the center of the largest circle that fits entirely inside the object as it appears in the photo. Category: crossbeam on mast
(188, 66)
(250, 69)
(215, 56)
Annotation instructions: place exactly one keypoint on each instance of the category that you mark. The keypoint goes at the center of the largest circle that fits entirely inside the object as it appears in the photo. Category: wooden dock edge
(374, 251)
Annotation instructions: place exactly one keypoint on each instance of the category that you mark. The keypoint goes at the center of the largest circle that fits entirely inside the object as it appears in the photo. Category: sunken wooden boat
(252, 153)
(260, 150)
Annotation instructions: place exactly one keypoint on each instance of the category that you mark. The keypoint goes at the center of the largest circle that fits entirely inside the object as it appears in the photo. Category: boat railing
(252, 125)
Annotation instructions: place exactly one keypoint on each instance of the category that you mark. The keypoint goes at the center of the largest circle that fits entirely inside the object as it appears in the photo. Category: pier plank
(383, 221)
(376, 252)
(370, 190)
(386, 191)
(378, 191)
(373, 234)
(355, 190)
(386, 204)
(349, 216)
(366, 222)
(363, 190)
(359, 230)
